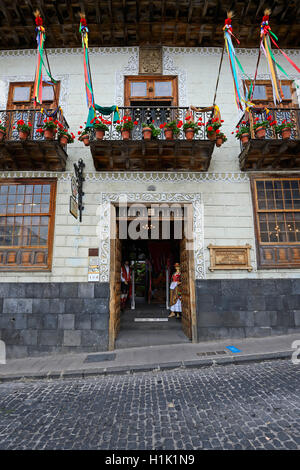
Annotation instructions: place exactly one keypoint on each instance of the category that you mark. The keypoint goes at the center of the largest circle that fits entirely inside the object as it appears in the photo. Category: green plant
(64, 132)
(259, 123)
(283, 125)
(21, 126)
(191, 125)
(126, 124)
(50, 124)
(155, 132)
(85, 131)
(244, 129)
(2, 128)
(172, 126)
(100, 126)
(222, 136)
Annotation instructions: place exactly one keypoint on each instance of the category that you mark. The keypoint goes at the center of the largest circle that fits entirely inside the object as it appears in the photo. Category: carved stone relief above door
(150, 60)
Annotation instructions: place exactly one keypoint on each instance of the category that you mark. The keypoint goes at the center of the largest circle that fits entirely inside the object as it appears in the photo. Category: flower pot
(48, 134)
(2, 134)
(286, 133)
(245, 138)
(212, 135)
(219, 141)
(260, 132)
(63, 140)
(125, 135)
(147, 133)
(189, 134)
(23, 135)
(99, 134)
(86, 140)
(168, 134)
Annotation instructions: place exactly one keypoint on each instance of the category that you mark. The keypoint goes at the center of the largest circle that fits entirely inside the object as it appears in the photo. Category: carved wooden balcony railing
(271, 153)
(34, 153)
(114, 154)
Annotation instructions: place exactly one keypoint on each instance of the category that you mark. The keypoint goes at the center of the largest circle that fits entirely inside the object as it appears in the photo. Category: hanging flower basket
(49, 134)
(85, 139)
(260, 132)
(245, 138)
(100, 134)
(126, 134)
(286, 133)
(23, 129)
(212, 126)
(189, 133)
(125, 127)
(168, 134)
(147, 133)
(220, 139)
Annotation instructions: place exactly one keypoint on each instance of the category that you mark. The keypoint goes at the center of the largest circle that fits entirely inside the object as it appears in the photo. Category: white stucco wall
(226, 196)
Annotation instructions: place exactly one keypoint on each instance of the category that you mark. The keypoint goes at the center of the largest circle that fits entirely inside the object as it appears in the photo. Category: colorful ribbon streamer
(235, 65)
(38, 82)
(83, 29)
(265, 44)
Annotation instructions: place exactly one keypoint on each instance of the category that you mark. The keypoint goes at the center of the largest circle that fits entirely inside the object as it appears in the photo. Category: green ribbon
(105, 110)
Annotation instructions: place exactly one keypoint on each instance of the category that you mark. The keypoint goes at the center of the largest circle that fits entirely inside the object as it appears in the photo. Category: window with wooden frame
(276, 204)
(20, 95)
(263, 94)
(27, 212)
(143, 90)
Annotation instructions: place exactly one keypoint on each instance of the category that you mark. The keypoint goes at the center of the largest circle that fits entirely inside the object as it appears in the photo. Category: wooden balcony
(114, 154)
(35, 153)
(272, 153)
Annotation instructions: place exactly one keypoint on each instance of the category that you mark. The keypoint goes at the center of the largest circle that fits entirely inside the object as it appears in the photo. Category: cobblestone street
(254, 406)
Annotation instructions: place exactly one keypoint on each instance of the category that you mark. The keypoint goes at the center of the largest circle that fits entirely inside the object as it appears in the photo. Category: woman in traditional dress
(125, 284)
(175, 293)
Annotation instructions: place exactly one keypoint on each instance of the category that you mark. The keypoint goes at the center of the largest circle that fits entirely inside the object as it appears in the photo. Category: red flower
(188, 117)
(29, 124)
(152, 121)
(200, 119)
(135, 123)
(210, 128)
(118, 121)
(217, 131)
(162, 125)
(223, 120)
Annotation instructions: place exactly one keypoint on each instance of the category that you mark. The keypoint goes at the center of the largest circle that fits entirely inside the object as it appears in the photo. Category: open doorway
(144, 319)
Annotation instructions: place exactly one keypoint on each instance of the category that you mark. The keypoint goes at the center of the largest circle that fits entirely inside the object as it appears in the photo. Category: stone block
(295, 286)
(19, 321)
(50, 321)
(101, 290)
(50, 290)
(83, 321)
(265, 318)
(50, 337)
(74, 305)
(56, 305)
(98, 305)
(208, 287)
(291, 302)
(17, 306)
(16, 352)
(285, 318)
(284, 286)
(35, 321)
(66, 321)
(1, 305)
(40, 306)
(72, 338)
(297, 317)
(34, 290)
(4, 289)
(96, 338)
(274, 302)
(258, 331)
(234, 287)
(16, 289)
(11, 336)
(231, 303)
(256, 302)
(86, 290)
(206, 302)
(68, 290)
(29, 337)
(99, 321)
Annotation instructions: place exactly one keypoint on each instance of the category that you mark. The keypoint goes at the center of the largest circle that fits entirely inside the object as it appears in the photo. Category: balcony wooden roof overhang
(184, 23)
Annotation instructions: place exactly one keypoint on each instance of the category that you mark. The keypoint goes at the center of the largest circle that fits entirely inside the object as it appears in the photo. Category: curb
(125, 370)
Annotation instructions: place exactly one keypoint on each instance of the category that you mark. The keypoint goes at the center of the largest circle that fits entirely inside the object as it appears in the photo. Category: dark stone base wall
(240, 308)
(53, 318)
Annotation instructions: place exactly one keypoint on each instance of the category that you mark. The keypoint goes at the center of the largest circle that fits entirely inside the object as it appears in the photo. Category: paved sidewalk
(151, 358)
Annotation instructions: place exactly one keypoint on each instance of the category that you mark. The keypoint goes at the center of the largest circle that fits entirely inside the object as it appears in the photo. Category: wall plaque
(230, 257)
(150, 60)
